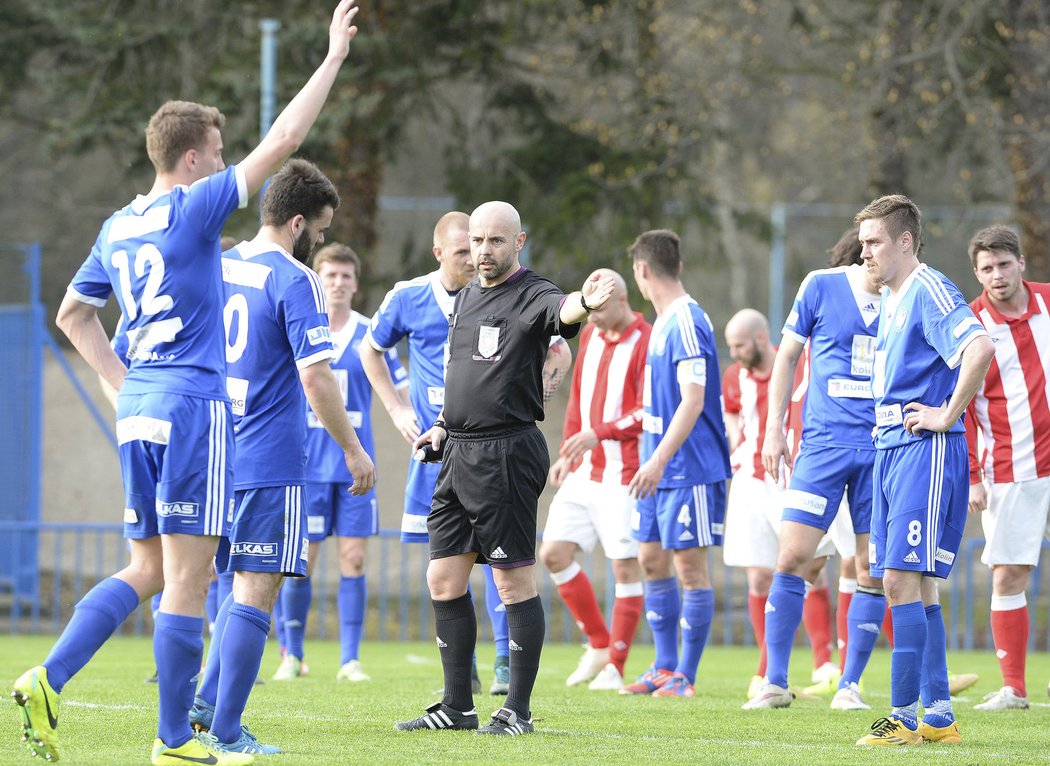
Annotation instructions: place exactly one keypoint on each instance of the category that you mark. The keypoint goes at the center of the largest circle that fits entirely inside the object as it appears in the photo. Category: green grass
(108, 714)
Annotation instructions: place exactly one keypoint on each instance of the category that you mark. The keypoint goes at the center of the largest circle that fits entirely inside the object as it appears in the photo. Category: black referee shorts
(486, 496)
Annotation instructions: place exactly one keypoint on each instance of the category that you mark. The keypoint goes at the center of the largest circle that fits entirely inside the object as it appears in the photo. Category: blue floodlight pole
(267, 82)
(778, 219)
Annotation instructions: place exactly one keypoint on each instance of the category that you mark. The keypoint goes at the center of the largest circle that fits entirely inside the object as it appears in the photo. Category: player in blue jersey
(278, 348)
(930, 358)
(419, 309)
(681, 483)
(329, 509)
(160, 256)
(836, 311)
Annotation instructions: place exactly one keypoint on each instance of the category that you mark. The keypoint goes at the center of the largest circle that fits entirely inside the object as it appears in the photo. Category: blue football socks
(95, 619)
(243, 642)
(353, 596)
(178, 646)
(662, 610)
(936, 697)
(698, 609)
(787, 596)
(296, 596)
(865, 616)
(909, 646)
(209, 687)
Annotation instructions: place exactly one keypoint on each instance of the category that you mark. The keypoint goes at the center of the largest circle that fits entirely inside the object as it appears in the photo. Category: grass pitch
(108, 714)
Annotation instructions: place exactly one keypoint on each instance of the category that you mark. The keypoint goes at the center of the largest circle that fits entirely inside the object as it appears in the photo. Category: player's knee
(352, 565)
(792, 561)
(626, 570)
(555, 557)
(1009, 580)
(759, 581)
(654, 561)
(443, 588)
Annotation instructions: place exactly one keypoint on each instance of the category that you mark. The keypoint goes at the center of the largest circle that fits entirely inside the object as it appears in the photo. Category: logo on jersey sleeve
(318, 335)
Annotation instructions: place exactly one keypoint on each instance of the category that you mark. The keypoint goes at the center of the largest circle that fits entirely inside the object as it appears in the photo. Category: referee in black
(495, 462)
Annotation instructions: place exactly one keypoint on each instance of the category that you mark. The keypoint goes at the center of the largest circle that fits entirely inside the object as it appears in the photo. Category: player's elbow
(312, 377)
(982, 351)
(70, 314)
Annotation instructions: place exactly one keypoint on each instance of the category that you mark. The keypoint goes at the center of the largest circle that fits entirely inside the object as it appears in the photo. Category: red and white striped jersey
(1011, 406)
(745, 393)
(606, 396)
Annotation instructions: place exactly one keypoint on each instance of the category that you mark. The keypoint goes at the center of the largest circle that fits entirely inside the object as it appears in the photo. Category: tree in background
(598, 118)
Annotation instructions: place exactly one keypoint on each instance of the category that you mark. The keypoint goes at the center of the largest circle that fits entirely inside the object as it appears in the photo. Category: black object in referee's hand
(427, 453)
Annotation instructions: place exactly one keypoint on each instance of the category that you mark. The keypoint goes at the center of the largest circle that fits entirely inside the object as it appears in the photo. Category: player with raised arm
(1011, 411)
(930, 358)
(330, 510)
(160, 256)
(681, 483)
(278, 348)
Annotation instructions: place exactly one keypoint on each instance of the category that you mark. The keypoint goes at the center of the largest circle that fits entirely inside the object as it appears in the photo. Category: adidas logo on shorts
(911, 558)
(498, 553)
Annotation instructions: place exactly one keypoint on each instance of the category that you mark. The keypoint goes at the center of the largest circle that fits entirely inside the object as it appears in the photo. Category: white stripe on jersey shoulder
(243, 272)
(817, 273)
(137, 224)
(142, 202)
(925, 276)
(686, 327)
(406, 284)
(315, 282)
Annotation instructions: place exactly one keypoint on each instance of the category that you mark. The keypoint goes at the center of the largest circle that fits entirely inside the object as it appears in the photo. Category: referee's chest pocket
(490, 338)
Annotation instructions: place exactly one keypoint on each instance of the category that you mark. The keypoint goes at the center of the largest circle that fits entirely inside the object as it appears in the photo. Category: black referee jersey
(498, 339)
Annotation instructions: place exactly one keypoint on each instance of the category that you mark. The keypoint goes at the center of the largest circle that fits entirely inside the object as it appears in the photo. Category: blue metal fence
(74, 557)
(21, 351)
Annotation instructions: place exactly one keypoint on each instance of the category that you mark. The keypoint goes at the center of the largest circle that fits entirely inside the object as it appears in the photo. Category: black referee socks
(456, 626)
(526, 624)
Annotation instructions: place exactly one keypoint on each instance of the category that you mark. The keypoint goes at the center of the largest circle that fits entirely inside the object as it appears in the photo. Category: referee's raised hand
(597, 289)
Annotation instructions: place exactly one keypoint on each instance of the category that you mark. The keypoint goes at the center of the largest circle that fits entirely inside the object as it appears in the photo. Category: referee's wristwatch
(583, 302)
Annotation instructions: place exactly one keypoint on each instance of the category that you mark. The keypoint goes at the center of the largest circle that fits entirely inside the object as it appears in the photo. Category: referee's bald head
(496, 212)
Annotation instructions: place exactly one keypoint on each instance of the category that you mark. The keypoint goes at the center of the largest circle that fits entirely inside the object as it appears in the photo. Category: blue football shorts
(176, 458)
(820, 477)
(332, 510)
(682, 517)
(414, 521)
(919, 510)
(269, 531)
